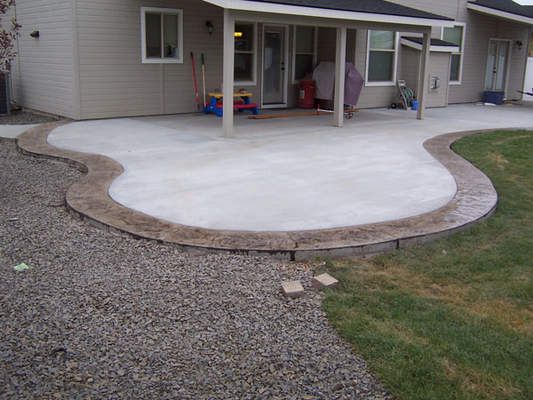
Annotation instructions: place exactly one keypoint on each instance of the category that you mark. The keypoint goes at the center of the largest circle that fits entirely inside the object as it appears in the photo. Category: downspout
(77, 114)
(19, 69)
(526, 62)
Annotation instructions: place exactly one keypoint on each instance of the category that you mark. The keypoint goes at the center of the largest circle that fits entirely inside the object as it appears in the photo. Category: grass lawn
(452, 319)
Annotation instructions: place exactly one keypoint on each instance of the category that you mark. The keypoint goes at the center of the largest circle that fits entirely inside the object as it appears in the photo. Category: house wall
(439, 66)
(528, 84)
(518, 61)
(44, 74)
(479, 29)
(113, 80)
(371, 96)
(98, 72)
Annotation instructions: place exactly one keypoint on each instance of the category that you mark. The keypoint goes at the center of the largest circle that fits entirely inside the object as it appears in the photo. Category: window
(455, 35)
(162, 35)
(382, 57)
(245, 53)
(304, 52)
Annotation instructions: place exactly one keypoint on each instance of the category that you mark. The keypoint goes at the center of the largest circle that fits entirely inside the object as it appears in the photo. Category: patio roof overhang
(505, 9)
(339, 14)
(370, 11)
(437, 45)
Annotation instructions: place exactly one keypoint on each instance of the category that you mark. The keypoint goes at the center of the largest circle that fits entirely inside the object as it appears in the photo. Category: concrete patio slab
(280, 175)
(12, 131)
(474, 199)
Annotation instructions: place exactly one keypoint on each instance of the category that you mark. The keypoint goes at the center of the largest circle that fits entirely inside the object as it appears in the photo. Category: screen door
(274, 65)
(497, 64)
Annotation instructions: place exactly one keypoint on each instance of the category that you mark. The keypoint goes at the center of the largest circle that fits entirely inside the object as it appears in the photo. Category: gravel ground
(108, 317)
(23, 117)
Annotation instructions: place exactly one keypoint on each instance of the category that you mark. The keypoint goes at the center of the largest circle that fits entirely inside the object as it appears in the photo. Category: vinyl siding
(113, 80)
(479, 30)
(439, 66)
(44, 73)
(372, 96)
(518, 61)
(87, 63)
(447, 8)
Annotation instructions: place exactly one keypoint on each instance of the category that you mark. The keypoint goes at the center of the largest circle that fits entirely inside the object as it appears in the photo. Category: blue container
(414, 105)
(493, 97)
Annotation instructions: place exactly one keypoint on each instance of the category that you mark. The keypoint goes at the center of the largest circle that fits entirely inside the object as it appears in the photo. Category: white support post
(423, 75)
(340, 77)
(228, 73)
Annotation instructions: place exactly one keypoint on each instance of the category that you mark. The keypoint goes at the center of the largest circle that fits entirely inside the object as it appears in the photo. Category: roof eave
(433, 48)
(500, 14)
(243, 5)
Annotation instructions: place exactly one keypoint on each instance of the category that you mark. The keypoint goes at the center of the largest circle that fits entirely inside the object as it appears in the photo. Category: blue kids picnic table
(242, 101)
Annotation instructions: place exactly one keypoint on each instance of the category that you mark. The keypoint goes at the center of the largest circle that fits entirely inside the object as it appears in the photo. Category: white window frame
(395, 69)
(295, 53)
(162, 11)
(460, 53)
(253, 82)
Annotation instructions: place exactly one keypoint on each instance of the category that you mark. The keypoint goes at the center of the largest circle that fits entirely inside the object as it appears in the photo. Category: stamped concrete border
(475, 200)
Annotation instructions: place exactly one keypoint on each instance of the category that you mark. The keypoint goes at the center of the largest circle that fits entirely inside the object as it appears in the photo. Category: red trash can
(306, 98)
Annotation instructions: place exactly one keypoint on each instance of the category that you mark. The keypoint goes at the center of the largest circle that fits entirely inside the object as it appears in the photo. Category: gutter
(499, 13)
(244, 5)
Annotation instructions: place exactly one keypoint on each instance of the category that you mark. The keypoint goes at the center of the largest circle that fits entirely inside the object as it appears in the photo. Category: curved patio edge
(476, 199)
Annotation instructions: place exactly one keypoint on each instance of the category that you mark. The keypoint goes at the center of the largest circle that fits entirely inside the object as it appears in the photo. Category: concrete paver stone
(323, 281)
(292, 289)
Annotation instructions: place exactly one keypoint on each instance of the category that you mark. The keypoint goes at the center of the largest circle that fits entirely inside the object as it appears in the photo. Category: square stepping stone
(324, 280)
(292, 289)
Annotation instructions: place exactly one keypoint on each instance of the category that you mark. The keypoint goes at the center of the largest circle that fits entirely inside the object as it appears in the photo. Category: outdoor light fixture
(35, 34)
(210, 27)
(238, 34)
(518, 44)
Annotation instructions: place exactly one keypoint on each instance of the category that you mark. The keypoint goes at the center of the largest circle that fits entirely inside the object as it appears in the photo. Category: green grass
(452, 319)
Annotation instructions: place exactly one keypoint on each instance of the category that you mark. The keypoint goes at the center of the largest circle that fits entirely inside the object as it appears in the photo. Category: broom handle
(195, 82)
(203, 77)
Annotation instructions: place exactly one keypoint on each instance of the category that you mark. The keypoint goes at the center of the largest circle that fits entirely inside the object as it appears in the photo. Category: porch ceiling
(378, 11)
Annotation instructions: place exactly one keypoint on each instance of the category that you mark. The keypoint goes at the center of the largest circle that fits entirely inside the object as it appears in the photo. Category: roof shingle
(507, 6)
(363, 6)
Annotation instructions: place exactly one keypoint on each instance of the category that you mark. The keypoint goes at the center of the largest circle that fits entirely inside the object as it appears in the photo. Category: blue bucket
(493, 97)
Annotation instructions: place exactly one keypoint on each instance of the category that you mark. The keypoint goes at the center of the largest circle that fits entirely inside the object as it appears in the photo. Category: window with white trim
(162, 35)
(382, 58)
(455, 35)
(245, 53)
(305, 52)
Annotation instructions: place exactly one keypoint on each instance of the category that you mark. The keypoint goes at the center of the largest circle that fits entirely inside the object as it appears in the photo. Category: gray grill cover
(324, 76)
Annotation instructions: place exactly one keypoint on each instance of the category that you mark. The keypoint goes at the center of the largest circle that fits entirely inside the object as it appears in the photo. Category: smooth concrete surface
(282, 174)
(12, 131)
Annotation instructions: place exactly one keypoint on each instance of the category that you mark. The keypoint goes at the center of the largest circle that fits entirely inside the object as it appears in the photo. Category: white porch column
(340, 77)
(228, 73)
(423, 75)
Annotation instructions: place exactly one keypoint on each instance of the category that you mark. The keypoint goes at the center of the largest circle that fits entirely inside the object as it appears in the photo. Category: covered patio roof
(339, 14)
(437, 45)
(506, 9)
(379, 11)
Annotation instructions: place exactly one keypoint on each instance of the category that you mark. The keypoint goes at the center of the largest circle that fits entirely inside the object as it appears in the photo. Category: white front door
(497, 65)
(275, 57)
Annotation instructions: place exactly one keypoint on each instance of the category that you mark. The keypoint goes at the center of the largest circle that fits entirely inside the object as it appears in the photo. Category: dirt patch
(24, 117)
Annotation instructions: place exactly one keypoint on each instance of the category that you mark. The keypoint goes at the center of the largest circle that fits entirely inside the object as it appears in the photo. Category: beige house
(115, 58)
